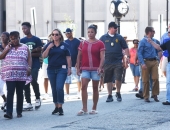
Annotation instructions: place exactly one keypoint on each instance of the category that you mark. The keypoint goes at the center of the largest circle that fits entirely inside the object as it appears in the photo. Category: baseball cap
(68, 30)
(135, 41)
(113, 24)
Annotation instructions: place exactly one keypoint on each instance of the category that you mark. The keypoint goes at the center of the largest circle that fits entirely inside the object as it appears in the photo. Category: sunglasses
(55, 34)
(168, 32)
(115, 27)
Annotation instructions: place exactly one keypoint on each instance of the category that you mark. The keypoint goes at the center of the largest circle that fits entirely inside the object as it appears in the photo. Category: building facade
(51, 14)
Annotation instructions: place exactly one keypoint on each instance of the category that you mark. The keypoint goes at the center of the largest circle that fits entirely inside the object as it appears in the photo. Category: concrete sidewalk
(130, 114)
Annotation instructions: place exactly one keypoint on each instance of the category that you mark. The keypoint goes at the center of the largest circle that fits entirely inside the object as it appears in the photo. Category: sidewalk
(130, 114)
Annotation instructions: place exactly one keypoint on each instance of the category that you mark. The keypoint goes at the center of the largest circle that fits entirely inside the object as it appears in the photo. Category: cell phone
(11, 43)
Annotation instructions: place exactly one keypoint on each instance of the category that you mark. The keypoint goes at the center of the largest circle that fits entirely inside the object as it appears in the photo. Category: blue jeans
(168, 82)
(141, 84)
(57, 79)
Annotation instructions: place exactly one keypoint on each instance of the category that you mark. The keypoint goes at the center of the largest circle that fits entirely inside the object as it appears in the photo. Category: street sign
(33, 18)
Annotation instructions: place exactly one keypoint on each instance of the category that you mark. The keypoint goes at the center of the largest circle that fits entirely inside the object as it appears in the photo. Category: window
(129, 29)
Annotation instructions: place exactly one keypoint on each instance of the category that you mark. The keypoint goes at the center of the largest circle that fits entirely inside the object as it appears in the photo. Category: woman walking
(90, 61)
(59, 66)
(16, 70)
(4, 40)
(134, 64)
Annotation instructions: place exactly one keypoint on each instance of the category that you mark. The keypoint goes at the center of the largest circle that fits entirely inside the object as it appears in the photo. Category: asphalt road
(130, 114)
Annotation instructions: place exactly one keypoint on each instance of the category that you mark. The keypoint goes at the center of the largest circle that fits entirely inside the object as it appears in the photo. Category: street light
(167, 9)
(119, 8)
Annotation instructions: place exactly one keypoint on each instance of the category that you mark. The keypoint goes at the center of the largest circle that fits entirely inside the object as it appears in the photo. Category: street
(130, 114)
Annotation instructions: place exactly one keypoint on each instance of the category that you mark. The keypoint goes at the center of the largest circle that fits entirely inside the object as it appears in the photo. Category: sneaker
(66, 97)
(109, 98)
(46, 96)
(55, 111)
(78, 95)
(9, 116)
(37, 104)
(28, 107)
(60, 110)
(139, 95)
(118, 96)
(166, 103)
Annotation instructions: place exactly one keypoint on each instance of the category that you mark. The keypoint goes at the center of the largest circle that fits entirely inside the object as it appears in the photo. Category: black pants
(35, 85)
(123, 75)
(11, 86)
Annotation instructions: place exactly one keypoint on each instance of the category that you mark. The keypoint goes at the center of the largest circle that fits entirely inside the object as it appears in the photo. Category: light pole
(82, 18)
(119, 8)
(167, 11)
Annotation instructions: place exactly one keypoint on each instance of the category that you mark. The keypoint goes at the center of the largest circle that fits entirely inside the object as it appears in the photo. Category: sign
(33, 16)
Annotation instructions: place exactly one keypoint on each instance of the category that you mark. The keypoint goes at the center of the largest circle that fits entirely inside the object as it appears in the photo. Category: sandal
(135, 89)
(93, 112)
(82, 113)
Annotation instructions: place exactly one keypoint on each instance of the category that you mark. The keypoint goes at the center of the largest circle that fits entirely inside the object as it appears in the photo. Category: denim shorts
(135, 69)
(90, 75)
(73, 77)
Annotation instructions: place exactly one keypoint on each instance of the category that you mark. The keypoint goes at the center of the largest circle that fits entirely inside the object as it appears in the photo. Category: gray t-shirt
(114, 46)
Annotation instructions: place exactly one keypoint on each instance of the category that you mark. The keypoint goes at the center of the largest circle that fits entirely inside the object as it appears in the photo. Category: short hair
(94, 27)
(148, 29)
(6, 33)
(14, 33)
(136, 40)
(26, 24)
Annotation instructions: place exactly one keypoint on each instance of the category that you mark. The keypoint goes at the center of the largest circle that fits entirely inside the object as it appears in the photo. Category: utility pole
(167, 12)
(82, 18)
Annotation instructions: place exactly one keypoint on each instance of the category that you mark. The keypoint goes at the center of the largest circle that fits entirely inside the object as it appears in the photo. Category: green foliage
(69, 23)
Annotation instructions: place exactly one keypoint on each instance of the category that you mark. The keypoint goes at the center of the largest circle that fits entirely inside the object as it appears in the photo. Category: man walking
(73, 45)
(34, 44)
(147, 56)
(113, 66)
(165, 37)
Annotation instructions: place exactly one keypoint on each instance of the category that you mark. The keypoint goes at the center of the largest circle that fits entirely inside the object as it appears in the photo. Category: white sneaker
(37, 103)
(66, 97)
(28, 107)
(78, 95)
(45, 97)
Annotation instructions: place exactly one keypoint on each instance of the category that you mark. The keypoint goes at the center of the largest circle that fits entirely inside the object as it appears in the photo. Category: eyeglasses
(55, 34)
(115, 27)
